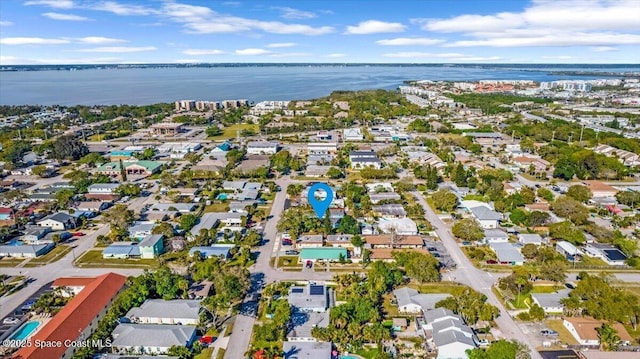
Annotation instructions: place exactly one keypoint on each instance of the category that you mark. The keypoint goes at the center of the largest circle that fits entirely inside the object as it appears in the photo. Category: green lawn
(55, 254)
(544, 289)
(232, 131)
(204, 354)
(440, 287)
(522, 301)
(93, 258)
(217, 207)
(10, 262)
(368, 353)
(292, 262)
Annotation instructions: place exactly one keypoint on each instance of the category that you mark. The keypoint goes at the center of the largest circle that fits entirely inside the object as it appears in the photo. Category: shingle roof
(451, 336)
(75, 316)
(485, 214)
(158, 308)
(152, 335)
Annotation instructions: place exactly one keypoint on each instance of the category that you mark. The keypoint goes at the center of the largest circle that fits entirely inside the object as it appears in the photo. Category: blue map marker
(320, 206)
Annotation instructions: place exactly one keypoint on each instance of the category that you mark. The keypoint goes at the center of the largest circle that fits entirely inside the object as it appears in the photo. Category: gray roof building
(304, 322)
(551, 301)
(393, 209)
(159, 310)
(406, 296)
(152, 335)
(507, 253)
(310, 298)
(307, 350)
(451, 336)
(483, 213)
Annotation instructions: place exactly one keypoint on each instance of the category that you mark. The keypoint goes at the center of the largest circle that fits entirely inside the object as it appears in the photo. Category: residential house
(364, 159)
(6, 213)
(392, 210)
(151, 339)
(608, 253)
(315, 350)
(530, 238)
(583, 329)
(488, 218)
(411, 301)
(58, 221)
(339, 240)
(302, 324)
(121, 250)
(92, 206)
(379, 187)
(33, 234)
(102, 191)
(600, 189)
(215, 250)
(309, 298)
(310, 241)
(77, 319)
(399, 226)
(173, 207)
(383, 196)
(352, 134)
(26, 250)
(141, 229)
(151, 246)
(507, 253)
(551, 302)
(262, 148)
(394, 241)
(568, 250)
(449, 334)
(159, 311)
(495, 236)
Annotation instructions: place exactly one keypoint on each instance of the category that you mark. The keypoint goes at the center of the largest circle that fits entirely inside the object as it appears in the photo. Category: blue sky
(381, 31)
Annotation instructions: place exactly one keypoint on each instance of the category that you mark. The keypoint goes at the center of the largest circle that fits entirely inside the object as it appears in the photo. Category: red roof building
(78, 319)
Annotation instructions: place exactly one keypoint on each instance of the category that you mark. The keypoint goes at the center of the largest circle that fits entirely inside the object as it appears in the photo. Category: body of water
(140, 86)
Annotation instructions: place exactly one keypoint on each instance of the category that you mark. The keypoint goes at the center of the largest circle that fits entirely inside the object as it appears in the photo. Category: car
(492, 261)
(77, 234)
(435, 255)
(286, 242)
(291, 252)
(309, 264)
(432, 249)
(466, 243)
(549, 333)
(10, 320)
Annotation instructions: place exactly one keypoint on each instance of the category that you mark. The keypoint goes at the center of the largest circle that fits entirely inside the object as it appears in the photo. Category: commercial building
(166, 128)
(151, 339)
(159, 311)
(78, 319)
(262, 148)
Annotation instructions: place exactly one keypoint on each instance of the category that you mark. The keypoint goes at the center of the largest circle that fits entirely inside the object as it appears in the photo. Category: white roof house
(262, 147)
(151, 338)
(411, 301)
(526, 238)
(550, 302)
(507, 253)
(158, 311)
(487, 217)
(299, 350)
(309, 298)
(352, 134)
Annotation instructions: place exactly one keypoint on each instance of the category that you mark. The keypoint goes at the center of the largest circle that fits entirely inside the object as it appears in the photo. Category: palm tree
(608, 336)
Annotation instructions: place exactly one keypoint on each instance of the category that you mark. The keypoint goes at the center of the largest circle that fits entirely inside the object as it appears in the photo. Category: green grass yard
(232, 131)
(93, 259)
(55, 254)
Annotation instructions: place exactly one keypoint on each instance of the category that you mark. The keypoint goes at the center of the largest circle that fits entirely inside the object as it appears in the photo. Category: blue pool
(348, 357)
(15, 242)
(222, 197)
(25, 330)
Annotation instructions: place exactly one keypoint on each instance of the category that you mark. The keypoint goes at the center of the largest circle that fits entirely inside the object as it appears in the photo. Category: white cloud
(546, 23)
(450, 56)
(99, 40)
(253, 52)
(13, 60)
(32, 41)
(604, 49)
(58, 4)
(6, 23)
(405, 41)
(291, 54)
(374, 27)
(201, 52)
(119, 49)
(122, 9)
(203, 20)
(336, 55)
(65, 17)
(294, 14)
(567, 39)
(281, 44)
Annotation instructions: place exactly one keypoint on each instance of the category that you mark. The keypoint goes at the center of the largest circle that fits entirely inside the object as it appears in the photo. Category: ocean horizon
(140, 84)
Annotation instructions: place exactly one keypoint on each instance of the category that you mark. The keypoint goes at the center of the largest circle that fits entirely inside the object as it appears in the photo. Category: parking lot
(437, 249)
(21, 312)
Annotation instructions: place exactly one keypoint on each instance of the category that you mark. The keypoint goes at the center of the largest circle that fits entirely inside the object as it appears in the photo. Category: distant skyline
(329, 31)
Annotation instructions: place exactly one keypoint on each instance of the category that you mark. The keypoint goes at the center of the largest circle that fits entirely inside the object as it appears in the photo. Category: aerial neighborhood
(465, 220)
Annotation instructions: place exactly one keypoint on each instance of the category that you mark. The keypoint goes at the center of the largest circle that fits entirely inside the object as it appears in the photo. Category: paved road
(467, 273)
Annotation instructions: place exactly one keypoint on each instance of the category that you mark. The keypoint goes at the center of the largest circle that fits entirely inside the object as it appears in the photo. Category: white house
(411, 301)
(352, 134)
(530, 238)
(488, 218)
(58, 221)
(364, 159)
(322, 147)
(158, 311)
(550, 302)
(262, 148)
(151, 339)
(583, 329)
(495, 236)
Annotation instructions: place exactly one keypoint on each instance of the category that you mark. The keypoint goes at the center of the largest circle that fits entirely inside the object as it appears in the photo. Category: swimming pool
(15, 242)
(348, 357)
(222, 196)
(25, 330)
